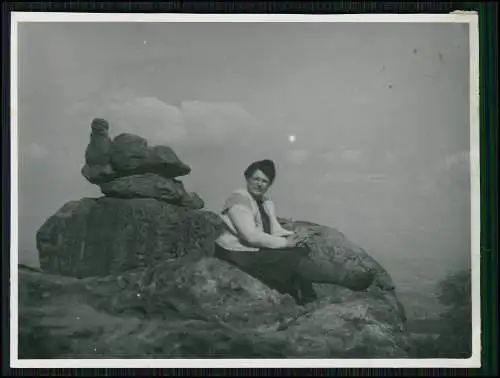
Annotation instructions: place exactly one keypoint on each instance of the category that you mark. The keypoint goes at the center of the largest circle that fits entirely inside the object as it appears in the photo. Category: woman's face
(258, 184)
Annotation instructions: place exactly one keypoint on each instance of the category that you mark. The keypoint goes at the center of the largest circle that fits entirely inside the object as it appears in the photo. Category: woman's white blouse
(244, 231)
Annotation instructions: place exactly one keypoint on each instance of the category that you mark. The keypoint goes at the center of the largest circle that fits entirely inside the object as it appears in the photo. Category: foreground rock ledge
(201, 308)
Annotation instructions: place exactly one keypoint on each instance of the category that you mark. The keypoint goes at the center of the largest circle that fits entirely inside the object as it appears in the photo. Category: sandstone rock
(148, 185)
(130, 154)
(192, 200)
(97, 154)
(165, 162)
(61, 239)
(148, 287)
(99, 174)
(330, 246)
(196, 307)
(99, 147)
(108, 235)
(128, 232)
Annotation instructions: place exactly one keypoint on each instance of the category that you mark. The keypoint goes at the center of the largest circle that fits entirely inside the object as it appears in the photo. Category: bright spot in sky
(291, 138)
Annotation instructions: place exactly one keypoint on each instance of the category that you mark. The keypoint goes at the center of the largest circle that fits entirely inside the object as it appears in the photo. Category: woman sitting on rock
(254, 241)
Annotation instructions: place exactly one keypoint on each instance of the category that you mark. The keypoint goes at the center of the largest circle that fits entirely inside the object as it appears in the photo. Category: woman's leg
(305, 292)
(331, 273)
(291, 271)
(275, 268)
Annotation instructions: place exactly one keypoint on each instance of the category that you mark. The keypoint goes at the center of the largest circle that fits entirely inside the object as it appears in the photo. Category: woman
(255, 241)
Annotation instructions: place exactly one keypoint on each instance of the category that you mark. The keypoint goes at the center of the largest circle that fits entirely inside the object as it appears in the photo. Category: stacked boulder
(127, 167)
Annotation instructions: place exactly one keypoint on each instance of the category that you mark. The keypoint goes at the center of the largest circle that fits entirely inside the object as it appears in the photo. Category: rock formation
(132, 275)
(135, 278)
(128, 168)
(97, 237)
(198, 308)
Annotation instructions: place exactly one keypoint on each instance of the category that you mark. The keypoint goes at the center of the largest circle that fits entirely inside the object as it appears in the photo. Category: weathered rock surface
(130, 154)
(151, 185)
(148, 287)
(99, 147)
(164, 161)
(198, 307)
(97, 166)
(108, 235)
(99, 174)
(128, 168)
(147, 185)
(192, 200)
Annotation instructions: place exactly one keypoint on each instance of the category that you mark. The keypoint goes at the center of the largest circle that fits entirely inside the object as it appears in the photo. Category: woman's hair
(266, 166)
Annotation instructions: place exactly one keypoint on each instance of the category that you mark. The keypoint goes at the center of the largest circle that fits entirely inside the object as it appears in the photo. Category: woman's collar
(265, 198)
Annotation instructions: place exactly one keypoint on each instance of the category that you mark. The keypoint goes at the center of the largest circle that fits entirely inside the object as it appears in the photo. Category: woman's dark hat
(266, 166)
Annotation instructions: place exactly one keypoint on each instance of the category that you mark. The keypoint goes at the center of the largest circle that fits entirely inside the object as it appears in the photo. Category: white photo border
(470, 18)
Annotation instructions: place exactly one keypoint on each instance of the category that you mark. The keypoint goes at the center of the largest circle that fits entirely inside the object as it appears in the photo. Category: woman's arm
(244, 223)
(278, 230)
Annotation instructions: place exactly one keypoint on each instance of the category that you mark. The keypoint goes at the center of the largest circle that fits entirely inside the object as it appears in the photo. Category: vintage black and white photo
(260, 190)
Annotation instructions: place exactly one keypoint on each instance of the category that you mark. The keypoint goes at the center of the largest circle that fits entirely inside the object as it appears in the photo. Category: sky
(380, 115)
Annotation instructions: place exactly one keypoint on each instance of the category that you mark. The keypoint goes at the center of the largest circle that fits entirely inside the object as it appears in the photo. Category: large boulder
(128, 168)
(108, 235)
(151, 185)
(130, 154)
(197, 307)
(99, 174)
(97, 168)
(99, 147)
(164, 161)
(192, 200)
(331, 247)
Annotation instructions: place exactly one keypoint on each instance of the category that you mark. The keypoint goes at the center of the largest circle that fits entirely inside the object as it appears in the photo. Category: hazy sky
(380, 113)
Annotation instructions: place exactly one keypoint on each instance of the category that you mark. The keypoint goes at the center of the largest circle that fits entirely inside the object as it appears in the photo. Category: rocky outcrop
(108, 235)
(127, 167)
(130, 154)
(98, 150)
(199, 308)
(149, 185)
(132, 275)
(135, 278)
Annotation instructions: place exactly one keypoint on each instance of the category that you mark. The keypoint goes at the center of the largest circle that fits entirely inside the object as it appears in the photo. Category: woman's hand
(295, 240)
(308, 233)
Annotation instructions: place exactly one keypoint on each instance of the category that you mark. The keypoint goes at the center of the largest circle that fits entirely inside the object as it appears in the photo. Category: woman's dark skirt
(275, 267)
